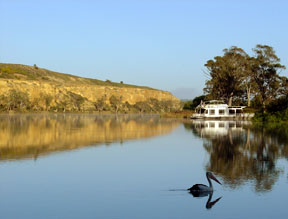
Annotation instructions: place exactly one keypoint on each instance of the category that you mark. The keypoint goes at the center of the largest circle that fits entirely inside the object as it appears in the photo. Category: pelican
(203, 190)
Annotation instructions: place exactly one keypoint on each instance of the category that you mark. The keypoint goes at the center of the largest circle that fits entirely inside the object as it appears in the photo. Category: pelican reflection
(209, 203)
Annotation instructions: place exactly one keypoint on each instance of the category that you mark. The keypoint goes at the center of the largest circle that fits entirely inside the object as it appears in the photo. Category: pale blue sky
(157, 43)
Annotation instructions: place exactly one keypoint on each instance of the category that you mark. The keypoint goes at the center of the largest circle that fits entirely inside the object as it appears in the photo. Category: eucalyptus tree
(264, 70)
(284, 86)
(227, 75)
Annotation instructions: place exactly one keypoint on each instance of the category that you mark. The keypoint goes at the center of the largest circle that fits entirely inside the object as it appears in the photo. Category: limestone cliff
(47, 90)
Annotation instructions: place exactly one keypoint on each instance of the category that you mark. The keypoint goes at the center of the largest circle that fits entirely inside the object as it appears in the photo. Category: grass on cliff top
(34, 73)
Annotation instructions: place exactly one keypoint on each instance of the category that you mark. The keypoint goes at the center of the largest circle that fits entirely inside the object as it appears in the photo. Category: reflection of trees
(247, 154)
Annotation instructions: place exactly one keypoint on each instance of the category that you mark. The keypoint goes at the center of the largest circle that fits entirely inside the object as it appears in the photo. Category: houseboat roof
(217, 104)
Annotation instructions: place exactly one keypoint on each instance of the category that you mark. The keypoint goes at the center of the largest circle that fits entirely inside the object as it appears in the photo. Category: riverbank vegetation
(18, 101)
(251, 80)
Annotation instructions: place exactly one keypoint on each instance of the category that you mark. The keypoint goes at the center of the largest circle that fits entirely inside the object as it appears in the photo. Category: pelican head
(211, 176)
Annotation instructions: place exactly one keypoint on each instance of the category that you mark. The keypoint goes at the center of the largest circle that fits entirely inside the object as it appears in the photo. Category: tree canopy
(236, 75)
(226, 74)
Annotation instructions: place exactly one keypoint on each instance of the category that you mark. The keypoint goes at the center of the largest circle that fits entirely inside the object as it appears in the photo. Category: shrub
(76, 100)
(17, 100)
(100, 104)
(115, 102)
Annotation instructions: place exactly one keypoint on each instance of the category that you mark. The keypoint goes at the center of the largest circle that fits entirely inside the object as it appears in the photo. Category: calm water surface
(86, 166)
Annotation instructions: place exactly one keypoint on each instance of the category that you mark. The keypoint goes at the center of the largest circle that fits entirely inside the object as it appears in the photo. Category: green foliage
(47, 99)
(115, 102)
(277, 111)
(192, 104)
(188, 105)
(15, 101)
(239, 76)
(265, 65)
(100, 104)
(143, 106)
(279, 105)
(35, 105)
(76, 100)
(226, 74)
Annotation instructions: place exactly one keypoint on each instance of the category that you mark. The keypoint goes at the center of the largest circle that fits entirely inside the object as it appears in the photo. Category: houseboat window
(212, 112)
(238, 111)
(231, 125)
(202, 111)
(206, 111)
(211, 124)
(221, 112)
(231, 112)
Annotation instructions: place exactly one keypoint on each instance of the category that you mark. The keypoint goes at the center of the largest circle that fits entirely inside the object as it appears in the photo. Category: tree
(77, 100)
(265, 67)
(47, 100)
(226, 74)
(192, 104)
(247, 80)
(155, 104)
(142, 106)
(17, 100)
(284, 86)
(100, 104)
(115, 102)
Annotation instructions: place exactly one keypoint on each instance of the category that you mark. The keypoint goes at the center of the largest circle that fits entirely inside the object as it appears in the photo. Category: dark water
(85, 166)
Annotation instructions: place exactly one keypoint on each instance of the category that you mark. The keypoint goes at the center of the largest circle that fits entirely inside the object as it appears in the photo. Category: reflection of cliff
(245, 153)
(24, 136)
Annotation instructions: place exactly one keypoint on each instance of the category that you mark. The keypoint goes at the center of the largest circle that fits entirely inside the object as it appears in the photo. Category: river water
(135, 166)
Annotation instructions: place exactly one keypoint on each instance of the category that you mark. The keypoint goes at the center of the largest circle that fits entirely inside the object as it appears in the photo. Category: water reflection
(241, 152)
(28, 136)
(209, 203)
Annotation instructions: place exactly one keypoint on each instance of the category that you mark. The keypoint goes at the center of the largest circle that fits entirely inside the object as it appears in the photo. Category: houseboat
(217, 109)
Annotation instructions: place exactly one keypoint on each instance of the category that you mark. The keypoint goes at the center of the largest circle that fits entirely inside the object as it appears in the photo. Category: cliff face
(73, 92)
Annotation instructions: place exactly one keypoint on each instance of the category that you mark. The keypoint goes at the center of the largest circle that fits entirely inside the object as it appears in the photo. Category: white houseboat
(217, 109)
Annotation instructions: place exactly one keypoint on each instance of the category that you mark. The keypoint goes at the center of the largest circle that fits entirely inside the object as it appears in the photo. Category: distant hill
(26, 72)
(30, 88)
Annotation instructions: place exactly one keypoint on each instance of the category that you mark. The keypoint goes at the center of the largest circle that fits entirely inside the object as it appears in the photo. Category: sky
(162, 44)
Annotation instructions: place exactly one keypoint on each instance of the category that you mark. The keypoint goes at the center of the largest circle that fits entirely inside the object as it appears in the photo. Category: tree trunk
(248, 90)
(230, 101)
(263, 104)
